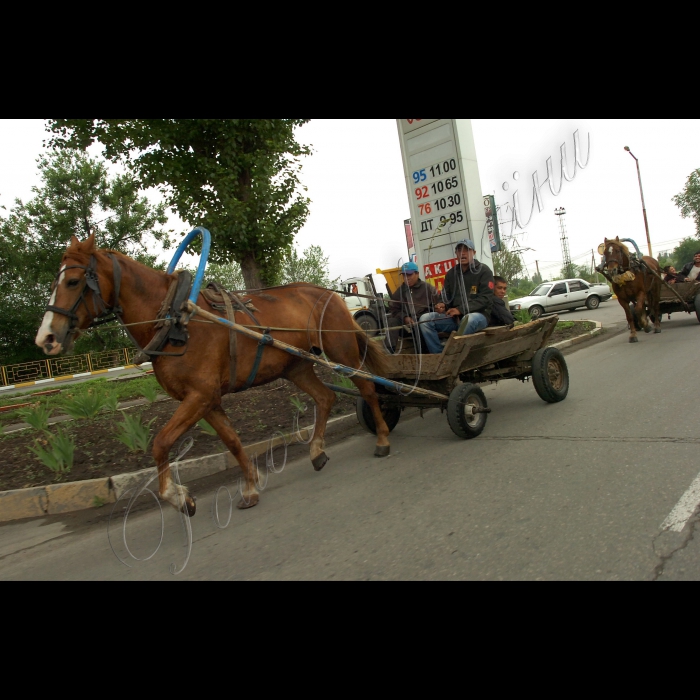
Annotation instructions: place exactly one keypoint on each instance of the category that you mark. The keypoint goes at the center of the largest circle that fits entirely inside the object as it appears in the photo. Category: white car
(561, 295)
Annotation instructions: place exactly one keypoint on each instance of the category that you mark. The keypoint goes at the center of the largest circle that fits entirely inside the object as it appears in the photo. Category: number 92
(419, 176)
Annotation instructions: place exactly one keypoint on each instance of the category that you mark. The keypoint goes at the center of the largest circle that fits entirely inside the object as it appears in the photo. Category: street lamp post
(644, 208)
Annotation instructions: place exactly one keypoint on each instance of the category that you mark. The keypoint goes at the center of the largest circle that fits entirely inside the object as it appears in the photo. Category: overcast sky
(359, 201)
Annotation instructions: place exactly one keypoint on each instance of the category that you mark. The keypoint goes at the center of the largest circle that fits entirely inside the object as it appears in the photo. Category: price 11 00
(436, 170)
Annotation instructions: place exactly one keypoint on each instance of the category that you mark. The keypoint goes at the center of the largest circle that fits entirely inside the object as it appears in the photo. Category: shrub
(58, 455)
(135, 434)
(37, 416)
(86, 405)
(150, 391)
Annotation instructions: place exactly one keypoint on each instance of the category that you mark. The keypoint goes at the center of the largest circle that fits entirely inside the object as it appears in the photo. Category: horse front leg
(630, 319)
(218, 420)
(193, 408)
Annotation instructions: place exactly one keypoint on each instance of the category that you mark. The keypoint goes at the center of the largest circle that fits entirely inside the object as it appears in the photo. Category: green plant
(135, 434)
(86, 405)
(37, 416)
(206, 428)
(58, 455)
(521, 316)
(344, 382)
(150, 391)
(563, 325)
(297, 403)
(111, 400)
(98, 502)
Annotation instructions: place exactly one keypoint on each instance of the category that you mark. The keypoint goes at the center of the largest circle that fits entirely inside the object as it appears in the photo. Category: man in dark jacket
(691, 271)
(468, 293)
(409, 302)
(500, 313)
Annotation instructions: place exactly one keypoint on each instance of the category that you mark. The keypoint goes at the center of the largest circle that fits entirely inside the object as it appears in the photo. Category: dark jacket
(670, 277)
(418, 299)
(478, 285)
(500, 313)
(685, 271)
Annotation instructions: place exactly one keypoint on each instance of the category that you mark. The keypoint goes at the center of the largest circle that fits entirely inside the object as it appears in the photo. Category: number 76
(419, 176)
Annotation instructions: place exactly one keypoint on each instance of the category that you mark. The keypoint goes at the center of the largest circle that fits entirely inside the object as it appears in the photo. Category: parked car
(561, 295)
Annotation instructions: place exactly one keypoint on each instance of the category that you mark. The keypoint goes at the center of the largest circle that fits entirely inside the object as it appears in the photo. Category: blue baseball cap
(408, 267)
(467, 243)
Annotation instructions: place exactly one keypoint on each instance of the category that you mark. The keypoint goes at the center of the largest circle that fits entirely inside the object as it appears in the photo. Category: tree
(237, 177)
(310, 266)
(76, 196)
(507, 264)
(683, 253)
(688, 200)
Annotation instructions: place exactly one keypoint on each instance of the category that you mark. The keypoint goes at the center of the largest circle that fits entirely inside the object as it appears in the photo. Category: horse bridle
(102, 313)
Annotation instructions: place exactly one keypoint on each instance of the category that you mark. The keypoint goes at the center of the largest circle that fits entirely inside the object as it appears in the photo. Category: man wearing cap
(469, 297)
(409, 302)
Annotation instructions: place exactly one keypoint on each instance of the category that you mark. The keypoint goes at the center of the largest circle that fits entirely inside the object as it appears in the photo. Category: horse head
(616, 256)
(76, 298)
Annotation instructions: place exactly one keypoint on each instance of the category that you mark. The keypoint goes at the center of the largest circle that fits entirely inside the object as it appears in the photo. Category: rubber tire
(391, 413)
(467, 428)
(368, 323)
(544, 387)
(592, 303)
(697, 306)
(535, 312)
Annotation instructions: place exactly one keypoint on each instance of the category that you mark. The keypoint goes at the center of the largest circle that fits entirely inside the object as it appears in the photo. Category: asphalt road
(580, 490)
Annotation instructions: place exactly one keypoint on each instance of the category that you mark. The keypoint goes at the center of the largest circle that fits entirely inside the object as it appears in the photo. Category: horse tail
(375, 358)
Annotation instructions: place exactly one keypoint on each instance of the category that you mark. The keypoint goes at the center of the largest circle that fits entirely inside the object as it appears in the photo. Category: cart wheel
(697, 307)
(390, 412)
(465, 423)
(550, 375)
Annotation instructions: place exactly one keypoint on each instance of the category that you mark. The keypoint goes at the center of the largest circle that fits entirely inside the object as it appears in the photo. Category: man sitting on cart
(691, 271)
(468, 295)
(500, 313)
(409, 302)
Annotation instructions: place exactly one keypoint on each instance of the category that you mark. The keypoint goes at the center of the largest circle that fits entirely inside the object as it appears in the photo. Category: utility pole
(566, 255)
(641, 191)
(597, 276)
(537, 265)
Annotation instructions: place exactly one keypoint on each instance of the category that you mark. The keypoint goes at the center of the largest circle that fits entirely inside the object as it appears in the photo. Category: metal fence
(62, 366)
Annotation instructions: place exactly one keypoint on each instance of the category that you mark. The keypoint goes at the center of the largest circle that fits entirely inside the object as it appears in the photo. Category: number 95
(419, 176)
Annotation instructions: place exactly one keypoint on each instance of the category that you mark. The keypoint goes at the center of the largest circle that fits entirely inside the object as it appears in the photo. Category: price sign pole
(444, 192)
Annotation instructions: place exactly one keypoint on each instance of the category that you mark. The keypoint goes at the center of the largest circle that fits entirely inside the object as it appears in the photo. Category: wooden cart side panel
(463, 353)
(687, 290)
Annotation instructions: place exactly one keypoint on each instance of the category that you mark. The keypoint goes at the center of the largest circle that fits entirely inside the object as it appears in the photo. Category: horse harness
(171, 320)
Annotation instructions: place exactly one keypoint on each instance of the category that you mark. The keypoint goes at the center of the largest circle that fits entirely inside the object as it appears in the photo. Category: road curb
(580, 338)
(66, 377)
(93, 493)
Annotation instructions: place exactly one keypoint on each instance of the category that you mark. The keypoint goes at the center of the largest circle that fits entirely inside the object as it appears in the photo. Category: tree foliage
(237, 177)
(688, 200)
(683, 253)
(507, 264)
(310, 266)
(76, 196)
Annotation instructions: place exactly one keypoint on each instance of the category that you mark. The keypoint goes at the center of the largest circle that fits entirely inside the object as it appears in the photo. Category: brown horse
(199, 377)
(634, 282)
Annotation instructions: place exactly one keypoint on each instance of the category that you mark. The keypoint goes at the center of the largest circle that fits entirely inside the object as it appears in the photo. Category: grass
(134, 433)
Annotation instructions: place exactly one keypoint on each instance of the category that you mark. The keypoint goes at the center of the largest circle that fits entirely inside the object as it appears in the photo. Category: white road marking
(44, 381)
(682, 511)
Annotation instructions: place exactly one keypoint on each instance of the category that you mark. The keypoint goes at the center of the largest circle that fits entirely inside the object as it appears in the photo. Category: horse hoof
(190, 507)
(647, 329)
(382, 451)
(247, 502)
(320, 461)
(657, 330)
(634, 340)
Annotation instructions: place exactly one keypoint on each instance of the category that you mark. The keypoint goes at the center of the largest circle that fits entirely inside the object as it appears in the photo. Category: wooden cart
(675, 297)
(466, 361)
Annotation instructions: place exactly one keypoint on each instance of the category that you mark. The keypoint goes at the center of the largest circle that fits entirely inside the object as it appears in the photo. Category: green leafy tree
(507, 264)
(683, 253)
(688, 200)
(76, 196)
(310, 266)
(237, 177)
